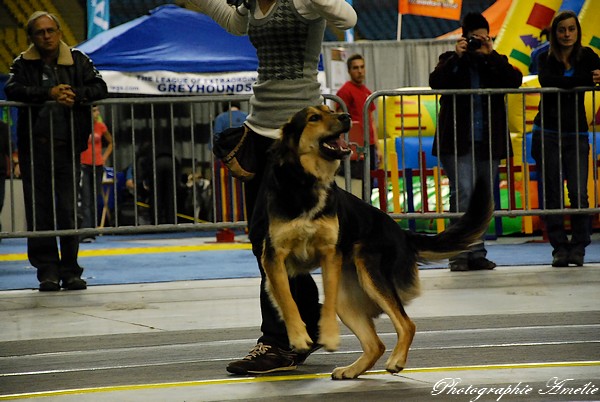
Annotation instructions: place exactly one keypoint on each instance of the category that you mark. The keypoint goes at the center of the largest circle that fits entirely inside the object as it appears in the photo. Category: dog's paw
(300, 343)
(345, 373)
(330, 342)
(329, 335)
(395, 365)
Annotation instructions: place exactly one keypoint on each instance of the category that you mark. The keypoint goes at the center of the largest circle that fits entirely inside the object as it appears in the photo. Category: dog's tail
(462, 233)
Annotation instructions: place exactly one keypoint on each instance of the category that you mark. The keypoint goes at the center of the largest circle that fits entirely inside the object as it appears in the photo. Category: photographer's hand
(487, 46)
(461, 46)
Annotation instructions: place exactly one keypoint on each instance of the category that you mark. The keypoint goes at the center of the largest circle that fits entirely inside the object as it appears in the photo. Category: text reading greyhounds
(369, 264)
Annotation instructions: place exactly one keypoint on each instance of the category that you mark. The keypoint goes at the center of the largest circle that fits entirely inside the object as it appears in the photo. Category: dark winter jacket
(453, 72)
(73, 68)
(551, 74)
(4, 152)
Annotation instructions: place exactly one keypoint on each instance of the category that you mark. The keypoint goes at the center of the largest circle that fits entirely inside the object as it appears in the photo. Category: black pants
(574, 150)
(91, 188)
(303, 287)
(165, 190)
(43, 206)
(2, 191)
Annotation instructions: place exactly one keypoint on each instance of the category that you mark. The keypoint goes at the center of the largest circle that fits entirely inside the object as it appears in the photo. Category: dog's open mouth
(334, 146)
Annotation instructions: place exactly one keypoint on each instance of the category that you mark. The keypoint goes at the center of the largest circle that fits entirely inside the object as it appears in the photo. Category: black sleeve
(19, 86)
(92, 87)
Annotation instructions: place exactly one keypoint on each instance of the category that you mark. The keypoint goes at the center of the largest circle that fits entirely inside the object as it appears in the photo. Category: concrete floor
(527, 325)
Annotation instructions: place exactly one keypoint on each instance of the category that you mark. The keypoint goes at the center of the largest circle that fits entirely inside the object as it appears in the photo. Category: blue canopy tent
(173, 51)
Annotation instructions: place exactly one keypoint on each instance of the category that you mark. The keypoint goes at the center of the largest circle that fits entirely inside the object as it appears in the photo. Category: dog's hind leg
(356, 310)
(389, 303)
(405, 328)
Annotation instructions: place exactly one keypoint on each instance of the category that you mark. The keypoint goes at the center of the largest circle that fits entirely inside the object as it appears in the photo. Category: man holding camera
(472, 134)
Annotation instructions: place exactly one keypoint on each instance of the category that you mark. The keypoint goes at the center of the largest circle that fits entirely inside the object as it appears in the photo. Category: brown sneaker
(264, 359)
(301, 357)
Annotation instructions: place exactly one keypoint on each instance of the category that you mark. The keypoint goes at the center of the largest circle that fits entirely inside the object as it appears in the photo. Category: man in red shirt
(354, 93)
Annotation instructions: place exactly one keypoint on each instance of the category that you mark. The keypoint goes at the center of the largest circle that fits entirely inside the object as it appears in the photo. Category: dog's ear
(292, 130)
(286, 149)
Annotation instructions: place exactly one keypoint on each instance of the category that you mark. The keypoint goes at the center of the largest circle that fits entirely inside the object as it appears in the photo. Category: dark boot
(560, 257)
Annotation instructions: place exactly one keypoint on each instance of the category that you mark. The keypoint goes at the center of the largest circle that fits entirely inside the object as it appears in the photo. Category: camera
(473, 44)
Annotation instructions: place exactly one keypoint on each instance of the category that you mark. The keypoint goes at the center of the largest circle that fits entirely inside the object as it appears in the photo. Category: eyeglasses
(42, 32)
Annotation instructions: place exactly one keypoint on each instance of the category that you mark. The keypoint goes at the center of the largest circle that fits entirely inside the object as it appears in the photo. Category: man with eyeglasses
(58, 83)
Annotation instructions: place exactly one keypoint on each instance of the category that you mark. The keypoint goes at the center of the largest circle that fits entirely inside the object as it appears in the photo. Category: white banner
(173, 83)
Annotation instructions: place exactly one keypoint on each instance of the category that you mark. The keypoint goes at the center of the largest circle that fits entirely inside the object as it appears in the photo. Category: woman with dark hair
(560, 144)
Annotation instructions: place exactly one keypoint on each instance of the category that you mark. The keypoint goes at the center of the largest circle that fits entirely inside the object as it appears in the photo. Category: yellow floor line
(144, 250)
(291, 377)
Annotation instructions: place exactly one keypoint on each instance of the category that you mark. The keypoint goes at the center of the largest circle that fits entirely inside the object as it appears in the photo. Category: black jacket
(551, 74)
(74, 68)
(4, 152)
(453, 72)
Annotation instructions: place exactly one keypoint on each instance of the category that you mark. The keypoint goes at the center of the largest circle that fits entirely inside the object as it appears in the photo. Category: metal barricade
(411, 181)
(201, 196)
(160, 177)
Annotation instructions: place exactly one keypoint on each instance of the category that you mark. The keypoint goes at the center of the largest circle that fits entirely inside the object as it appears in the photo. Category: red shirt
(86, 156)
(354, 96)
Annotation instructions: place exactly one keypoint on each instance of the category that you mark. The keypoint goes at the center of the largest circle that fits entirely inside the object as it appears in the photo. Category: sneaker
(481, 263)
(458, 266)
(264, 359)
(301, 357)
(74, 283)
(560, 258)
(88, 239)
(49, 285)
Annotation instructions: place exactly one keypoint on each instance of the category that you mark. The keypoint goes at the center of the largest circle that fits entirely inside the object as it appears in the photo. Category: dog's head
(314, 137)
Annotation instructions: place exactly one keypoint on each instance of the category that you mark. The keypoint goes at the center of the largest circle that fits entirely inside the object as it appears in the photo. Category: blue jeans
(574, 150)
(462, 175)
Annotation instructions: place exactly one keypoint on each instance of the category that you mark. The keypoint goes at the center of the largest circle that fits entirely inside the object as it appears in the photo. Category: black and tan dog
(369, 264)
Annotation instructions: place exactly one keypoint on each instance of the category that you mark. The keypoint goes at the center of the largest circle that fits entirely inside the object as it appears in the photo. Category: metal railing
(144, 129)
(410, 124)
(182, 127)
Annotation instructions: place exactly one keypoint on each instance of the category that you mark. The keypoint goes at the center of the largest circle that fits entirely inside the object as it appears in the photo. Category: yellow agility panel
(407, 115)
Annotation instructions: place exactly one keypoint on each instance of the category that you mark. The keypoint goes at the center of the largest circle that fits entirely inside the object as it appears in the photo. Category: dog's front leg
(279, 288)
(329, 330)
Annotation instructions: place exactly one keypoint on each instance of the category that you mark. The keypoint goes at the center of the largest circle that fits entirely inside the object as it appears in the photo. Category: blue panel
(411, 152)
(171, 38)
